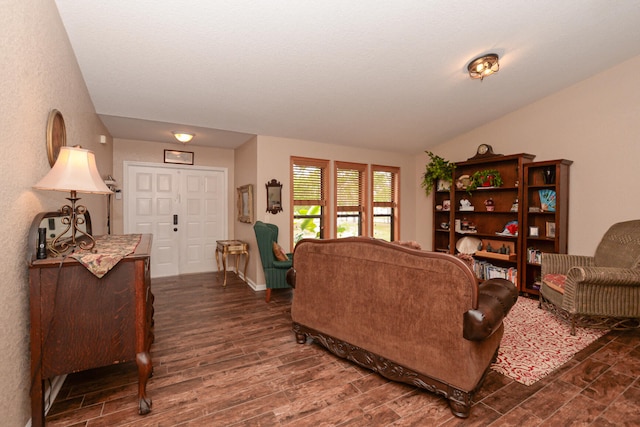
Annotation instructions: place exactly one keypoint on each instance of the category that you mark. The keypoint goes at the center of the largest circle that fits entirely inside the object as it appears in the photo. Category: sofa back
(404, 304)
(620, 246)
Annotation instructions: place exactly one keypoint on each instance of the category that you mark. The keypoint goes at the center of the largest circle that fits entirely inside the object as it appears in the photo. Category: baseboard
(253, 285)
(50, 394)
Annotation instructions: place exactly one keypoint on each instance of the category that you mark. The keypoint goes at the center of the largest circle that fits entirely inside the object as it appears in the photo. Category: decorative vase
(549, 175)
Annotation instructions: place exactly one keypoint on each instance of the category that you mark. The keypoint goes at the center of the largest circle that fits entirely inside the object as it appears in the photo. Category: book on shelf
(534, 256)
(485, 270)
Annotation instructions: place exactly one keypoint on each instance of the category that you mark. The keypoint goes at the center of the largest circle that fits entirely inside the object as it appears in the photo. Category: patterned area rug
(536, 342)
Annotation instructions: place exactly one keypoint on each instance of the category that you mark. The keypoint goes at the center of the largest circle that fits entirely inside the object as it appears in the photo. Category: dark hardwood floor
(223, 357)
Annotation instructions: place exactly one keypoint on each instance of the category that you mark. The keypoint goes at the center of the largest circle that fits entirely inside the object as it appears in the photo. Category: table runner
(108, 251)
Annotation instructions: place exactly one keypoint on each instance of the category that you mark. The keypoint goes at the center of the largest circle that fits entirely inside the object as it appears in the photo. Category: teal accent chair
(275, 271)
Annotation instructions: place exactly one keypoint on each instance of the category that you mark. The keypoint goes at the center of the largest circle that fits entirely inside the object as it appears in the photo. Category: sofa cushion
(279, 253)
(555, 281)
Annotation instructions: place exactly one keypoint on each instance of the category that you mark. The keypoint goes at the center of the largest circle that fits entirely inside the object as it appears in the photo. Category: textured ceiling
(378, 74)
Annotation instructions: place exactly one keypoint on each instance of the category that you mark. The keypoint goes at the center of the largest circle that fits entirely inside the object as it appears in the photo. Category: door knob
(175, 229)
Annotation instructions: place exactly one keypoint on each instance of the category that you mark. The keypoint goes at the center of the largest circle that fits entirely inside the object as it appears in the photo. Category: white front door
(185, 208)
(202, 220)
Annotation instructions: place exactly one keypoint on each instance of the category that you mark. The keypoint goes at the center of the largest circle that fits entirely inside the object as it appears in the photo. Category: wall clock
(56, 135)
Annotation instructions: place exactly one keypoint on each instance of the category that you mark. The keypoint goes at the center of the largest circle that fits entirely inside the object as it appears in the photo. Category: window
(385, 202)
(309, 189)
(350, 200)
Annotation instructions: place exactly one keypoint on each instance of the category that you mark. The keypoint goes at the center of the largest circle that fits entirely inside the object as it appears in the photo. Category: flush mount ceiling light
(183, 137)
(483, 66)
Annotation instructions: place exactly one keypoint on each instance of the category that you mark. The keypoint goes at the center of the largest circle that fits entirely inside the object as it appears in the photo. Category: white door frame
(127, 202)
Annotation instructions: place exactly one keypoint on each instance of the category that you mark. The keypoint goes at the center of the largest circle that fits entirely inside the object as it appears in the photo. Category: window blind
(308, 185)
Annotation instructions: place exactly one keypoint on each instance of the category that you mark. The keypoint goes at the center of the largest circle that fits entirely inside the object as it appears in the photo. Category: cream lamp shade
(74, 170)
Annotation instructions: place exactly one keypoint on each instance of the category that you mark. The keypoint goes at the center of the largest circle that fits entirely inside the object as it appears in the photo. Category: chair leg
(268, 296)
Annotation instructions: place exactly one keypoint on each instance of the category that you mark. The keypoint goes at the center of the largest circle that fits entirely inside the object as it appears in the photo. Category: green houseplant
(437, 168)
(485, 178)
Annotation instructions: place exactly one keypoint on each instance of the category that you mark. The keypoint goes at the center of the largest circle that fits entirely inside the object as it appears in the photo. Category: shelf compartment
(493, 255)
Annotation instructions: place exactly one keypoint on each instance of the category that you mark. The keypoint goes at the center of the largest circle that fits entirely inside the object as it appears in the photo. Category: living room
(593, 122)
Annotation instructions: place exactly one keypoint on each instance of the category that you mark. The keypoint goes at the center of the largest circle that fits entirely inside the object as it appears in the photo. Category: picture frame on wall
(551, 230)
(245, 203)
(178, 157)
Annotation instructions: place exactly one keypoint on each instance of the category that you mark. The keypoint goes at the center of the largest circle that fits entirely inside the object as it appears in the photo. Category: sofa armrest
(604, 276)
(495, 299)
(291, 277)
(561, 263)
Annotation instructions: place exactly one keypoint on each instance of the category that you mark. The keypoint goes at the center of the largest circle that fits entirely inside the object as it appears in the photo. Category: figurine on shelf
(465, 205)
(514, 206)
(510, 229)
(489, 204)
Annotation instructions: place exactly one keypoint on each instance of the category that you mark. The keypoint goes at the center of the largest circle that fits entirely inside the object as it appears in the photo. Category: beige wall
(595, 123)
(153, 152)
(39, 73)
(246, 173)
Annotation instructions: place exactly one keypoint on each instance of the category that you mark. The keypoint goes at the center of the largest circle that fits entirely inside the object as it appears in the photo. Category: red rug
(536, 342)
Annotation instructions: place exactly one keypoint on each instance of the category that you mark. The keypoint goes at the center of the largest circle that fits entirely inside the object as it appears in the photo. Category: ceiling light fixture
(183, 137)
(483, 66)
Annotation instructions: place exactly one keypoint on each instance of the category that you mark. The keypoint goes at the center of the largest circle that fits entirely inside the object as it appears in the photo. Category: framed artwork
(178, 157)
(446, 205)
(551, 229)
(245, 203)
(534, 232)
(274, 196)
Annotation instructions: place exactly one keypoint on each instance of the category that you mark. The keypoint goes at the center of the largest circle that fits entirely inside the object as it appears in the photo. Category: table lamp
(74, 171)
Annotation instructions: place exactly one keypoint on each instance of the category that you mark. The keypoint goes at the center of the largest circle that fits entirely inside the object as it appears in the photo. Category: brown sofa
(413, 316)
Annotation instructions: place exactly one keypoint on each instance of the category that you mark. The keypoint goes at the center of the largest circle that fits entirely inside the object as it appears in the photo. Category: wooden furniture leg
(143, 360)
(246, 263)
(268, 296)
(37, 401)
(224, 268)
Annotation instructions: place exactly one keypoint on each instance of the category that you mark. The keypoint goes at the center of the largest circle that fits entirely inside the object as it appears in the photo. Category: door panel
(201, 227)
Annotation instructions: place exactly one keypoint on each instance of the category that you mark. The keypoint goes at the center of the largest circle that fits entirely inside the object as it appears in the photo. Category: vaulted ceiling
(381, 74)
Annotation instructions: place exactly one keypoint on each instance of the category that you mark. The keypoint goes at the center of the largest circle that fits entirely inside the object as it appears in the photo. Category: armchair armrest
(283, 264)
(561, 263)
(604, 276)
(495, 299)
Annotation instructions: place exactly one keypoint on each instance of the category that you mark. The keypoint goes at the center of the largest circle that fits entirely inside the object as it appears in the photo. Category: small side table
(232, 247)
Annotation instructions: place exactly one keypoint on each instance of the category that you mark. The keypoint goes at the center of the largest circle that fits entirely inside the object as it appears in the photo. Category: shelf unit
(487, 223)
(538, 222)
(442, 216)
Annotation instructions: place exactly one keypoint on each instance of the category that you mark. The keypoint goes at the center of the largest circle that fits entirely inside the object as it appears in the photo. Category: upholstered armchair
(275, 270)
(602, 291)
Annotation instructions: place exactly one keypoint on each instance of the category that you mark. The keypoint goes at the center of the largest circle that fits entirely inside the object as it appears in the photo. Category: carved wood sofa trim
(459, 401)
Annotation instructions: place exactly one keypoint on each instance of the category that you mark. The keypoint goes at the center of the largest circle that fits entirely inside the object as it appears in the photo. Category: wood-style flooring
(223, 357)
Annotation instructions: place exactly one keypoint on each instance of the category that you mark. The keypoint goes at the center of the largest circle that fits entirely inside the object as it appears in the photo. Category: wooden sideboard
(80, 322)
